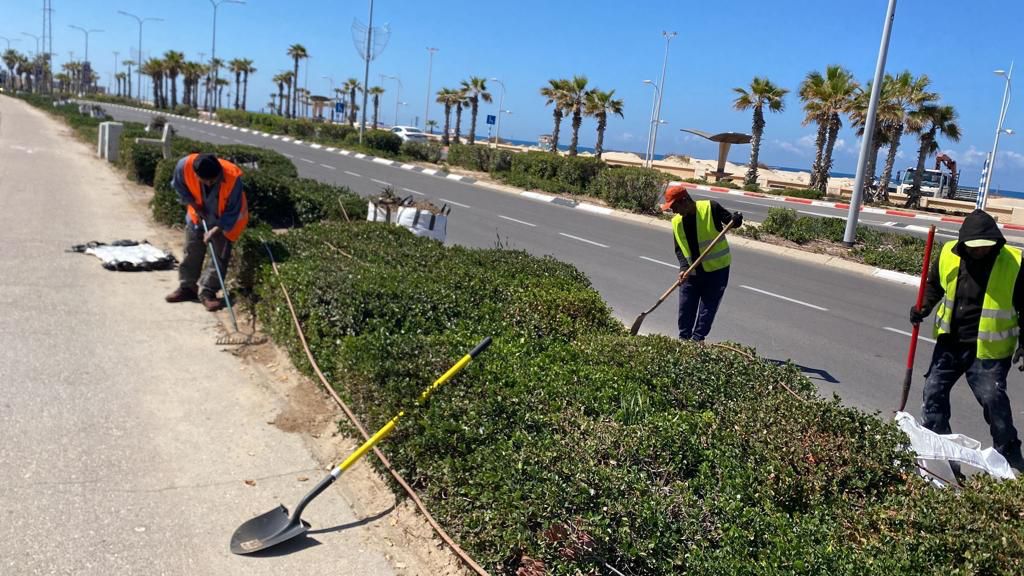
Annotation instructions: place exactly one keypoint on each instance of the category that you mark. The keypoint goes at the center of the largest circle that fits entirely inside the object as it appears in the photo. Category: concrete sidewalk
(132, 444)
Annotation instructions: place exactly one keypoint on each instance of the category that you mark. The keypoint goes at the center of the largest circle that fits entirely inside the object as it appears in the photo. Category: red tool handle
(917, 327)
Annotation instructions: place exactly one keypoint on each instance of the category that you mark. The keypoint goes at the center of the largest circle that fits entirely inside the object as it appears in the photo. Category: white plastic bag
(935, 452)
(418, 221)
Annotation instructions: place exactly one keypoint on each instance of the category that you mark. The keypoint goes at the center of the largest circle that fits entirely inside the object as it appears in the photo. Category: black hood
(980, 225)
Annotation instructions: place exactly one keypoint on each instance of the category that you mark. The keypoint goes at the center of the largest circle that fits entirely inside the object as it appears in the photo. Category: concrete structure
(725, 141)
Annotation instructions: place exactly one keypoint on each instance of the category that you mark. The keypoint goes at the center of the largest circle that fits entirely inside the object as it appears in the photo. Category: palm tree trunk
(295, 84)
(558, 127)
(289, 101)
(280, 99)
(825, 166)
(174, 91)
(819, 148)
(577, 120)
(473, 102)
(447, 124)
(376, 109)
(238, 84)
(352, 106)
(458, 122)
(602, 123)
(914, 195)
(890, 160)
(756, 129)
(245, 90)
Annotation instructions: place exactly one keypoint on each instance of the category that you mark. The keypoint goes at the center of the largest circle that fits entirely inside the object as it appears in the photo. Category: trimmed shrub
(302, 128)
(631, 188)
(382, 140)
(335, 132)
(577, 172)
(423, 151)
(165, 206)
(314, 201)
(472, 156)
(809, 193)
(184, 110)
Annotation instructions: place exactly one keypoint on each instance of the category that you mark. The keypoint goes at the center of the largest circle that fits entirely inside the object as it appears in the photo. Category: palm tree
(575, 102)
(173, 61)
(296, 52)
(447, 97)
(554, 92)
(222, 83)
(119, 81)
(459, 98)
(11, 59)
(247, 68)
(476, 90)
(933, 121)
(826, 97)
(289, 78)
(884, 114)
(351, 86)
(236, 65)
(376, 92)
(281, 79)
(599, 105)
(762, 94)
(154, 69)
(129, 64)
(908, 94)
(431, 124)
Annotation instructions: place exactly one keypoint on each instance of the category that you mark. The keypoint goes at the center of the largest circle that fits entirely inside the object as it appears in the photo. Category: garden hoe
(640, 319)
(909, 374)
(237, 338)
(277, 526)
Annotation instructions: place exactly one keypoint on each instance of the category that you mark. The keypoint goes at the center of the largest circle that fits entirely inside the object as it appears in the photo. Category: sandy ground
(133, 444)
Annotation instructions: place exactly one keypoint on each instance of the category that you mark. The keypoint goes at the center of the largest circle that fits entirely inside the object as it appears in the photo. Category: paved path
(127, 434)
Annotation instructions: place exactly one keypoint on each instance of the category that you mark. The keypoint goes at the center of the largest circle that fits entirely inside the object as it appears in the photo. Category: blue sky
(615, 44)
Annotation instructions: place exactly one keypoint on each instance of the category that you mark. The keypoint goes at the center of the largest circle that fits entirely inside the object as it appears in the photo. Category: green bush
(185, 110)
(631, 188)
(577, 172)
(166, 208)
(471, 156)
(302, 128)
(235, 117)
(726, 184)
(752, 188)
(314, 201)
(335, 132)
(809, 193)
(423, 151)
(383, 141)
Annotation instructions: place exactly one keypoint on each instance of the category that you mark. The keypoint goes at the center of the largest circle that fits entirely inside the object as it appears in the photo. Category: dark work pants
(192, 264)
(987, 379)
(699, 298)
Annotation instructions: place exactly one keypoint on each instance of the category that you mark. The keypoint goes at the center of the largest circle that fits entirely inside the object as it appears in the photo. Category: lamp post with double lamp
(501, 103)
(85, 83)
(661, 93)
(330, 90)
(430, 69)
(9, 40)
(213, 54)
(138, 61)
(398, 94)
(983, 192)
(650, 123)
(35, 66)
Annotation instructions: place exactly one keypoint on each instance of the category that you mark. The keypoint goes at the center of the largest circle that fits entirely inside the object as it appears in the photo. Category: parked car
(410, 134)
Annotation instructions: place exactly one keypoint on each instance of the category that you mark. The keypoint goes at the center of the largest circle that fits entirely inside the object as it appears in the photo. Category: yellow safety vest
(719, 257)
(998, 328)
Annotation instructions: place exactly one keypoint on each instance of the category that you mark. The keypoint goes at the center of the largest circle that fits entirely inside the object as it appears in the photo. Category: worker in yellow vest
(977, 283)
(694, 227)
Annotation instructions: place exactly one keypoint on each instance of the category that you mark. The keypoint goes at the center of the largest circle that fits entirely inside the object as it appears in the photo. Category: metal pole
(650, 123)
(113, 78)
(366, 72)
(661, 93)
(850, 235)
(501, 104)
(983, 194)
(430, 69)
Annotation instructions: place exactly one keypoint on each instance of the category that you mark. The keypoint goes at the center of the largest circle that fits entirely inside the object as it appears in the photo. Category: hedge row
(887, 250)
(380, 141)
(574, 444)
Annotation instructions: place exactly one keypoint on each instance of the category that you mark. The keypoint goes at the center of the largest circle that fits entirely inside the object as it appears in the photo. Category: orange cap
(672, 194)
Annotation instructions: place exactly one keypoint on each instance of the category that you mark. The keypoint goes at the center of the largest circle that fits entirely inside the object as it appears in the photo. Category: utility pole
(650, 126)
(661, 95)
(138, 62)
(85, 82)
(213, 53)
(366, 72)
(430, 69)
(501, 104)
(850, 235)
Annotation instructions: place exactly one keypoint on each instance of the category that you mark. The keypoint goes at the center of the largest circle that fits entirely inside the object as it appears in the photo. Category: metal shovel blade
(266, 530)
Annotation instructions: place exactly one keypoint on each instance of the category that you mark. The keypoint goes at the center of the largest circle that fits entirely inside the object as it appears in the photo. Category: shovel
(640, 319)
(277, 526)
(909, 374)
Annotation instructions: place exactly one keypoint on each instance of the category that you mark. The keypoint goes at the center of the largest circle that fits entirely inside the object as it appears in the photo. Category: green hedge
(631, 188)
(798, 193)
(664, 457)
(423, 151)
(381, 141)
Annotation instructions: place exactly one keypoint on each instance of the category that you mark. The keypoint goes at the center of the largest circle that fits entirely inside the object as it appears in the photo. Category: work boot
(182, 294)
(211, 302)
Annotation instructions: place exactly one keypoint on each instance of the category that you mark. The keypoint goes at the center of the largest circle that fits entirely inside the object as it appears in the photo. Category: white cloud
(788, 146)
(900, 154)
(807, 141)
(1015, 158)
(628, 136)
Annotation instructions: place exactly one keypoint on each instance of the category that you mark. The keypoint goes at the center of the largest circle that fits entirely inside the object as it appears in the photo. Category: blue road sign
(339, 107)
(491, 118)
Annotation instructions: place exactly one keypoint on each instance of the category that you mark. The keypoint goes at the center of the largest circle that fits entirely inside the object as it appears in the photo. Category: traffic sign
(339, 107)
(491, 118)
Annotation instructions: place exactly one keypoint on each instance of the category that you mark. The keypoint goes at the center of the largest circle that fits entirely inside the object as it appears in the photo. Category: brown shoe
(182, 295)
(212, 303)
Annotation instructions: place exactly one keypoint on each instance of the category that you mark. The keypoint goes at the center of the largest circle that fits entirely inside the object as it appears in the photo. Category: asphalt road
(848, 331)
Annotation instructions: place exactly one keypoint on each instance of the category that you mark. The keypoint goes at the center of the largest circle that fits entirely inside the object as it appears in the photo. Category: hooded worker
(976, 281)
(211, 187)
(695, 226)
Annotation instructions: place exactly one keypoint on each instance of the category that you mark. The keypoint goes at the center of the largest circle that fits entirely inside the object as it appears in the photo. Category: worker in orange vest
(211, 187)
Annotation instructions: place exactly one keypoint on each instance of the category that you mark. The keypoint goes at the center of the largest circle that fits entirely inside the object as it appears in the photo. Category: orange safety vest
(230, 176)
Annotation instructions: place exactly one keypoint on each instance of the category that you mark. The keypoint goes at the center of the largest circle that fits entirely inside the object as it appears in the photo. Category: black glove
(737, 219)
(917, 316)
(1018, 358)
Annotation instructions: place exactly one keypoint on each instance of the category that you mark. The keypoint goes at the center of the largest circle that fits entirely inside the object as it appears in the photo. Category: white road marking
(916, 228)
(328, 166)
(583, 240)
(353, 174)
(360, 155)
(781, 297)
(430, 171)
(317, 146)
(517, 221)
(331, 149)
(820, 214)
(413, 191)
(660, 262)
(455, 203)
(407, 166)
(344, 152)
(381, 182)
(239, 141)
(536, 196)
(287, 155)
(222, 137)
(905, 333)
(307, 161)
(747, 202)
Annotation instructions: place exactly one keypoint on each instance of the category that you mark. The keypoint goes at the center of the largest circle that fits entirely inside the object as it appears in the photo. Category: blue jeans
(987, 379)
(699, 298)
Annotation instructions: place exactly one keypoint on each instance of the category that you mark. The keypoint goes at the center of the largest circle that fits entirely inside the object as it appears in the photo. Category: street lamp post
(213, 53)
(398, 94)
(850, 235)
(35, 65)
(83, 80)
(113, 77)
(138, 63)
(9, 40)
(501, 104)
(330, 90)
(650, 124)
(661, 93)
(983, 192)
(430, 69)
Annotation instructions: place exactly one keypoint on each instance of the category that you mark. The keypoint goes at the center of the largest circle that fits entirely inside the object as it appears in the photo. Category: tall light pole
(213, 53)
(84, 83)
(430, 69)
(9, 40)
(113, 77)
(850, 235)
(661, 93)
(35, 65)
(366, 72)
(398, 94)
(501, 104)
(36, 38)
(983, 192)
(138, 63)
(650, 123)
(330, 92)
